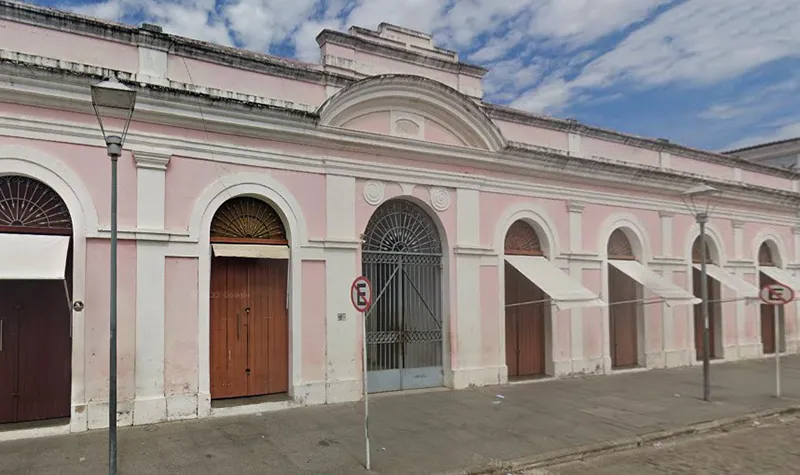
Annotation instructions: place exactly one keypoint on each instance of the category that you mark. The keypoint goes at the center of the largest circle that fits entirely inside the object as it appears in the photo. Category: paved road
(770, 448)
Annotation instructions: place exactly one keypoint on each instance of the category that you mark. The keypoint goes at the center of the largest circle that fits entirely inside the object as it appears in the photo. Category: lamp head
(112, 99)
(697, 200)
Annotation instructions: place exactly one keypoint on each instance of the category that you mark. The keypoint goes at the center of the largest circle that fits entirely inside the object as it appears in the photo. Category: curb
(562, 456)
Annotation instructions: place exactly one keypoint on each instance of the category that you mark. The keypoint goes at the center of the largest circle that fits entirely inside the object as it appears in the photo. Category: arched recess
(714, 289)
(423, 96)
(626, 315)
(268, 189)
(402, 256)
(249, 321)
(527, 312)
(769, 256)
(35, 308)
(42, 166)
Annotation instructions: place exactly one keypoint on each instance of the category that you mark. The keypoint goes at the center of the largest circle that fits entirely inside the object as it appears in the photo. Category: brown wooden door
(525, 326)
(767, 319)
(35, 362)
(623, 325)
(249, 327)
(699, 324)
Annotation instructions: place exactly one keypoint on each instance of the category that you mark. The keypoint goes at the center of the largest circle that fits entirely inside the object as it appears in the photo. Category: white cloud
(788, 131)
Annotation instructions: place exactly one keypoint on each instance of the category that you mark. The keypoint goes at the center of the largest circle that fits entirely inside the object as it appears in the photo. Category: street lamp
(698, 201)
(111, 101)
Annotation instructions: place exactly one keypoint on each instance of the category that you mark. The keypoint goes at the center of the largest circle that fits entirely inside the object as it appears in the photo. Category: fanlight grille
(619, 246)
(401, 227)
(247, 218)
(765, 256)
(696, 257)
(29, 203)
(522, 239)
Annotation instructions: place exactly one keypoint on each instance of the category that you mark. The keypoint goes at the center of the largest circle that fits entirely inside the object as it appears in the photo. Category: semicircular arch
(634, 231)
(715, 243)
(538, 219)
(432, 99)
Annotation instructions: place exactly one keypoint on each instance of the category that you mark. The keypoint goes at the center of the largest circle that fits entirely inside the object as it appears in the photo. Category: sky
(712, 74)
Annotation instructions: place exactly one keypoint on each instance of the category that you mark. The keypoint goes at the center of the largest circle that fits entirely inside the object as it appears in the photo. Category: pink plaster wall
(313, 323)
(701, 168)
(593, 317)
(383, 65)
(653, 327)
(761, 179)
(594, 147)
(490, 320)
(752, 314)
(522, 133)
(562, 334)
(682, 240)
(97, 318)
(94, 169)
(202, 73)
(55, 44)
(594, 222)
(437, 133)
(181, 283)
(495, 205)
(187, 178)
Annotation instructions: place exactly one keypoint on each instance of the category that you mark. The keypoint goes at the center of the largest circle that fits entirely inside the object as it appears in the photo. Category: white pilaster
(738, 239)
(666, 233)
(575, 213)
(667, 316)
(152, 66)
(149, 404)
(574, 144)
(467, 367)
(343, 380)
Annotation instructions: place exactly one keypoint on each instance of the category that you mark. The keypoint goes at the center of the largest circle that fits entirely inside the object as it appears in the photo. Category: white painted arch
(634, 230)
(52, 171)
(265, 187)
(431, 98)
(538, 219)
(715, 241)
(779, 250)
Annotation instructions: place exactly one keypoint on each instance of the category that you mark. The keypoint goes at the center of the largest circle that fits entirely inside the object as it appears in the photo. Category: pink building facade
(502, 246)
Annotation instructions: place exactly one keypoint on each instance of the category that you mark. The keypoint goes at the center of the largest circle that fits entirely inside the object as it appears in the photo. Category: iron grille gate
(404, 326)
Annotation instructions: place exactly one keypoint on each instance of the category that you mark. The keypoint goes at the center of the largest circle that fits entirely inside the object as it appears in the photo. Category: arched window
(697, 258)
(28, 205)
(619, 246)
(521, 239)
(247, 219)
(402, 227)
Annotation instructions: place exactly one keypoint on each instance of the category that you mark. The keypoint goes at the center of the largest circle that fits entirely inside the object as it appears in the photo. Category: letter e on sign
(776, 294)
(361, 294)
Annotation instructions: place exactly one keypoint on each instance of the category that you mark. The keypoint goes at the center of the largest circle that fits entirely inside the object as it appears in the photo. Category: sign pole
(778, 319)
(366, 392)
(361, 298)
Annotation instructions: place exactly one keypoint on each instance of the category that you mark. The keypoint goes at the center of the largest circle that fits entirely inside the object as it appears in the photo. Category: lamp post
(113, 100)
(697, 201)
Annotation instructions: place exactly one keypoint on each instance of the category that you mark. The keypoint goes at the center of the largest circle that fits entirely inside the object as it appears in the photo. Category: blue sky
(713, 74)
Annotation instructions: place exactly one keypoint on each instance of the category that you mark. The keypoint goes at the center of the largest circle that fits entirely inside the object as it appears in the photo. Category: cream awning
(564, 291)
(740, 286)
(669, 292)
(252, 251)
(782, 276)
(33, 257)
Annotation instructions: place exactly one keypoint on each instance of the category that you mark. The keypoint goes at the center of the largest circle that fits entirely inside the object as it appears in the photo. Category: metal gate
(402, 257)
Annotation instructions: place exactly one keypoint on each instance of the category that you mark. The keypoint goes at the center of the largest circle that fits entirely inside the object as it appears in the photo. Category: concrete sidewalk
(427, 432)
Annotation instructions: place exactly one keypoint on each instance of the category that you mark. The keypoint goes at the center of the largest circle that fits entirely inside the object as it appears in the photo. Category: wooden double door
(623, 319)
(249, 327)
(525, 326)
(768, 315)
(35, 351)
(699, 321)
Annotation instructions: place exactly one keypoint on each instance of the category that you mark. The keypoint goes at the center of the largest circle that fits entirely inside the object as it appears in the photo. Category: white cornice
(220, 152)
(152, 159)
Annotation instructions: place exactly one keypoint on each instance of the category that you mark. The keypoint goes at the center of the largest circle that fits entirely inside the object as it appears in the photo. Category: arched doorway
(766, 258)
(402, 257)
(624, 295)
(714, 310)
(248, 308)
(35, 326)
(525, 323)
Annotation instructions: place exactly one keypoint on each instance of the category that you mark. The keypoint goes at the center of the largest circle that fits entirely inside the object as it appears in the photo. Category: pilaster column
(150, 405)
(575, 213)
(738, 239)
(667, 315)
(741, 307)
(343, 381)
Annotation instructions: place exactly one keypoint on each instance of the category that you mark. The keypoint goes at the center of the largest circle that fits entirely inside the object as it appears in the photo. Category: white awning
(33, 257)
(564, 291)
(252, 251)
(784, 277)
(671, 293)
(740, 286)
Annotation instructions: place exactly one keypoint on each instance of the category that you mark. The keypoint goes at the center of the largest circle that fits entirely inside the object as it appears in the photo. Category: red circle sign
(361, 293)
(776, 294)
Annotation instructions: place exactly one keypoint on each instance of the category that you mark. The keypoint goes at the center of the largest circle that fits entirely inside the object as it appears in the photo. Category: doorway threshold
(31, 429)
(252, 404)
(533, 378)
